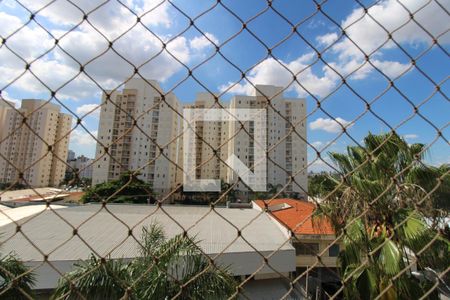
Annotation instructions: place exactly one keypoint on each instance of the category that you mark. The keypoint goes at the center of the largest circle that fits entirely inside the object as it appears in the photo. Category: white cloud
(75, 123)
(59, 70)
(28, 43)
(104, 68)
(92, 109)
(110, 17)
(81, 137)
(9, 3)
(5, 96)
(369, 32)
(201, 42)
(315, 23)
(138, 46)
(392, 69)
(280, 73)
(350, 61)
(327, 39)
(329, 125)
(365, 31)
(82, 143)
(156, 13)
(360, 69)
(411, 136)
(9, 24)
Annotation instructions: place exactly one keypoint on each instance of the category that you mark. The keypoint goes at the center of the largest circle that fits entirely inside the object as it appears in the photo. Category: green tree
(320, 185)
(127, 189)
(230, 191)
(382, 208)
(72, 179)
(444, 189)
(227, 193)
(166, 267)
(16, 280)
(441, 195)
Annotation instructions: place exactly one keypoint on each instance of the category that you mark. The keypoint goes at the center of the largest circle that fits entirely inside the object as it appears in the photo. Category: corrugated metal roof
(106, 230)
(9, 215)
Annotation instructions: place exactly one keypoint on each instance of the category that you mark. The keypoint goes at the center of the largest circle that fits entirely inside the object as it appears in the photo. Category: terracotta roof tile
(297, 217)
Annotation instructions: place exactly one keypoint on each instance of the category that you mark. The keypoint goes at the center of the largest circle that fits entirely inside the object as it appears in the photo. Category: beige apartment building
(285, 141)
(82, 166)
(139, 129)
(134, 122)
(211, 136)
(37, 150)
(4, 107)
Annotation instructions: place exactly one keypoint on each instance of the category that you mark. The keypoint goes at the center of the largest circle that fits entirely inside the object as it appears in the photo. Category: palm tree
(381, 206)
(16, 280)
(166, 268)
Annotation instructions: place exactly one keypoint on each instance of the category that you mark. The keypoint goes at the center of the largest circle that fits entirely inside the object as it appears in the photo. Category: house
(313, 240)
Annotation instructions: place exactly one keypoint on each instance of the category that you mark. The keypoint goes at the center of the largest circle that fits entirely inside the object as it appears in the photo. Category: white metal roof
(105, 232)
(9, 215)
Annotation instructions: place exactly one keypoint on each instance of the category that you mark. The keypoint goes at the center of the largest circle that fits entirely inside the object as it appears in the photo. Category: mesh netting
(367, 220)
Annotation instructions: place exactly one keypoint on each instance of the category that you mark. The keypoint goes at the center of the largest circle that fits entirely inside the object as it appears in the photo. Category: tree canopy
(16, 280)
(167, 267)
(320, 185)
(127, 189)
(383, 207)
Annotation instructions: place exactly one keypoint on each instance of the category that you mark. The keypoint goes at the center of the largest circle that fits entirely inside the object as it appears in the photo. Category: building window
(306, 248)
(333, 251)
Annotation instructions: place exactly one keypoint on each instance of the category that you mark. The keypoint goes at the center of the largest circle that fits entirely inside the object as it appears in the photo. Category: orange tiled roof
(298, 216)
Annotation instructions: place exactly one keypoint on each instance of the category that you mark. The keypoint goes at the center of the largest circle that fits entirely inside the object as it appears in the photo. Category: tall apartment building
(70, 155)
(134, 122)
(139, 129)
(286, 148)
(4, 107)
(211, 137)
(82, 165)
(38, 150)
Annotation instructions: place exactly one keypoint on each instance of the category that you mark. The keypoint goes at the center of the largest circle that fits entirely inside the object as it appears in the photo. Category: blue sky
(247, 49)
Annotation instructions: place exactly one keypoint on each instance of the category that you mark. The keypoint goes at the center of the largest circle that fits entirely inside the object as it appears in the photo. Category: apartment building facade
(136, 124)
(70, 155)
(82, 165)
(286, 139)
(210, 142)
(5, 106)
(37, 150)
(138, 132)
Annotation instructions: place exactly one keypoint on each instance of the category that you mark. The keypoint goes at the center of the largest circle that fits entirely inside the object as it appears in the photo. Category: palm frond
(94, 279)
(390, 258)
(152, 238)
(16, 281)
